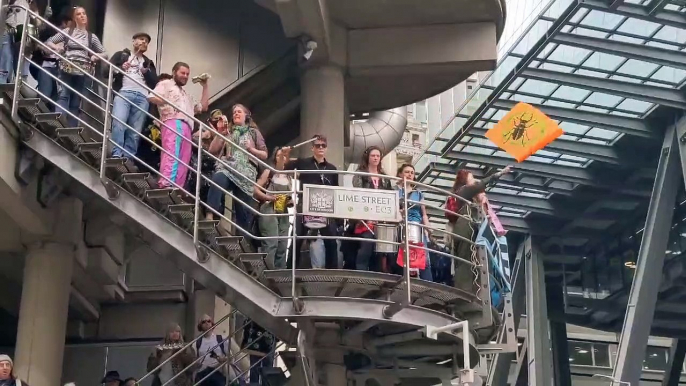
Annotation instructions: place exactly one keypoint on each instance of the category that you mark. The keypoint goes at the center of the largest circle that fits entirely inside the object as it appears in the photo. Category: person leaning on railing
(139, 67)
(367, 259)
(48, 62)
(242, 174)
(271, 203)
(176, 129)
(319, 164)
(467, 188)
(80, 61)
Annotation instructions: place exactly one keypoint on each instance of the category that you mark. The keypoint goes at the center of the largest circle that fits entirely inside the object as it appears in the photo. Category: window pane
(656, 359)
(602, 355)
(580, 353)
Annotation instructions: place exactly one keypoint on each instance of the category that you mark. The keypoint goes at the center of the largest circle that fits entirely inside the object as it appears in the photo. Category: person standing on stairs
(270, 204)
(81, 61)
(137, 67)
(11, 38)
(319, 163)
(177, 127)
(236, 173)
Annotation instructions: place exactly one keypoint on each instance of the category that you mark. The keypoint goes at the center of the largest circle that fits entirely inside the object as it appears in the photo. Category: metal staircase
(383, 320)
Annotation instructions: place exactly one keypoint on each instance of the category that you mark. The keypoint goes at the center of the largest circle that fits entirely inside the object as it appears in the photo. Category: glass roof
(540, 48)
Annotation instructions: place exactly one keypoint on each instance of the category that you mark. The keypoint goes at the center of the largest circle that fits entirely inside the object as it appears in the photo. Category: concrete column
(323, 109)
(390, 163)
(43, 313)
(336, 375)
(537, 331)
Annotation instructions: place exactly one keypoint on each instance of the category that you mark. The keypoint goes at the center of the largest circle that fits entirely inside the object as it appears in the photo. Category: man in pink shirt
(177, 127)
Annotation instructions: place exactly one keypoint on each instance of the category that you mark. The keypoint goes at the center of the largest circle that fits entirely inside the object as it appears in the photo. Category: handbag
(451, 205)
(77, 67)
(417, 257)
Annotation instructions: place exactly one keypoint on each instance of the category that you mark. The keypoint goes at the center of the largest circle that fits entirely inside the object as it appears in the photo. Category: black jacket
(118, 60)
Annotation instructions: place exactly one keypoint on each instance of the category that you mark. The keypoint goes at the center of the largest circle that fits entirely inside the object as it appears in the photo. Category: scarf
(238, 131)
(482, 200)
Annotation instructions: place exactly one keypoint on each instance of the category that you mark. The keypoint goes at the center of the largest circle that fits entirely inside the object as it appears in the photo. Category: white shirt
(134, 72)
(206, 343)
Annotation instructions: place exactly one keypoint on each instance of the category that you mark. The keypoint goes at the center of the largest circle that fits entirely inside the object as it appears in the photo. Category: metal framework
(612, 74)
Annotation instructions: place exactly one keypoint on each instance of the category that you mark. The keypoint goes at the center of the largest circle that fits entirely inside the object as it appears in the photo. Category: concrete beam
(429, 48)
(309, 18)
(18, 201)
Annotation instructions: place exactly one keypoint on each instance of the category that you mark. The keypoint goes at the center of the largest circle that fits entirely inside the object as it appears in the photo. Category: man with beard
(130, 108)
(177, 126)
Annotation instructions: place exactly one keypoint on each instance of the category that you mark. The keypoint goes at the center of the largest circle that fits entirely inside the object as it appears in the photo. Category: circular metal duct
(384, 129)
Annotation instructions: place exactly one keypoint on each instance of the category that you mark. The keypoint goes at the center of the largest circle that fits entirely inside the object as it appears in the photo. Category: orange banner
(524, 131)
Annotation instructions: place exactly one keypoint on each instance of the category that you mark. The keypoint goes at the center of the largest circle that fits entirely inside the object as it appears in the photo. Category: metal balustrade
(183, 208)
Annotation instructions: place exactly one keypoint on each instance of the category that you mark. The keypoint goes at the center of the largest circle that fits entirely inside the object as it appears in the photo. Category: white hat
(6, 358)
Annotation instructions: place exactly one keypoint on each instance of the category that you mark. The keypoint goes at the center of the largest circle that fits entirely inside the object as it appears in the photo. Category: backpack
(198, 343)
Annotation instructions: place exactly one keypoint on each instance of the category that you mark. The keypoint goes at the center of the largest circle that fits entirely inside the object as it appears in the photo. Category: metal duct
(384, 129)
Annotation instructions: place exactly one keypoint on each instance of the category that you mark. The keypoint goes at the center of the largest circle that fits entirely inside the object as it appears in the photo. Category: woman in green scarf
(236, 173)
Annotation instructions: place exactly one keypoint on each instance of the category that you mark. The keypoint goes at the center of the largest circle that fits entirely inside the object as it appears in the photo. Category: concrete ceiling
(400, 13)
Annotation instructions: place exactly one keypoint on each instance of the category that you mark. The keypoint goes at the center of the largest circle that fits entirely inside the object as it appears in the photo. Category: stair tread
(207, 224)
(156, 194)
(67, 131)
(45, 117)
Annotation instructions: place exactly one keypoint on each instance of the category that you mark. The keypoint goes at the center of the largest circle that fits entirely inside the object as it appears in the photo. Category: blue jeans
(215, 200)
(123, 110)
(6, 58)
(68, 100)
(47, 85)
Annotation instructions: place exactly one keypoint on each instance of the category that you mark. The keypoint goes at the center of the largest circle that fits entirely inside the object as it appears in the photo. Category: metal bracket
(25, 131)
(484, 292)
(111, 188)
(507, 333)
(203, 255)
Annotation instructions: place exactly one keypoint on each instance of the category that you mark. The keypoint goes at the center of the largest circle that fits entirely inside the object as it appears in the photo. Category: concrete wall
(226, 38)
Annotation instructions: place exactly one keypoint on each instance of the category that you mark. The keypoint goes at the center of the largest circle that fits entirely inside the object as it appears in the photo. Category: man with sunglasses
(319, 164)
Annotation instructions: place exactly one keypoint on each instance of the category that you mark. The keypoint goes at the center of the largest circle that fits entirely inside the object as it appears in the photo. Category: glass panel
(656, 359)
(580, 353)
(601, 354)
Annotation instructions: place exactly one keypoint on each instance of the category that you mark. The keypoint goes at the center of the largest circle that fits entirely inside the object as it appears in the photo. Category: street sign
(351, 203)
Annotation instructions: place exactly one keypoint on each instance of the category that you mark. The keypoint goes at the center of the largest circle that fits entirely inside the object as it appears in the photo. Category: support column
(558, 334)
(44, 307)
(323, 108)
(43, 313)
(677, 353)
(537, 329)
(500, 369)
(649, 264)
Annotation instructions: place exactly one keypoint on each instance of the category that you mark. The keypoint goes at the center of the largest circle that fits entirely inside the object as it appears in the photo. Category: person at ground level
(179, 367)
(131, 381)
(111, 378)
(7, 377)
(416, 213)
(14, 16)
(214, 352)
(177, 123)
(467, 188)
(48, 63)
(131, 107)
(236, 172)
(322, 176)
(260, 343)
(367, 259)
(81, 61)
(274, 203)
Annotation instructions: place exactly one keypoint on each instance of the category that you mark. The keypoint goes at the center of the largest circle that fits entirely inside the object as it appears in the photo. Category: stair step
(253, 263)
(47, 117)
(206, 225)
(6, 87)
(229, 241)
(70, 136)
(120, 165)
(181, 208)
(28, 102)
(159, 194)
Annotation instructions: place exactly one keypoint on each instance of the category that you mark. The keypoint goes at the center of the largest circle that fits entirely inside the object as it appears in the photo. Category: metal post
(677, 353)
(107, 122)
(558, 335)
(538, 345)
(294, 240)
(408, 296)
(649, 264)
(20, 63)
(198, 184)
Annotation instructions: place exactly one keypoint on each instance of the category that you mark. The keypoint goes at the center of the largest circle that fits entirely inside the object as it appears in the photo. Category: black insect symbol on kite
(520, 130)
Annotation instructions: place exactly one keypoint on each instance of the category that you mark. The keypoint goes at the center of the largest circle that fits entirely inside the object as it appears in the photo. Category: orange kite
(524, 131)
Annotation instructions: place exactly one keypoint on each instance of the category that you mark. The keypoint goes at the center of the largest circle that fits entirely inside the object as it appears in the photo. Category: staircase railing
(477, 262)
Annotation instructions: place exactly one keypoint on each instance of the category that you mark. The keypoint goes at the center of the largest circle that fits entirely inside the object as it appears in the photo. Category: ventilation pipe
(384, 129)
